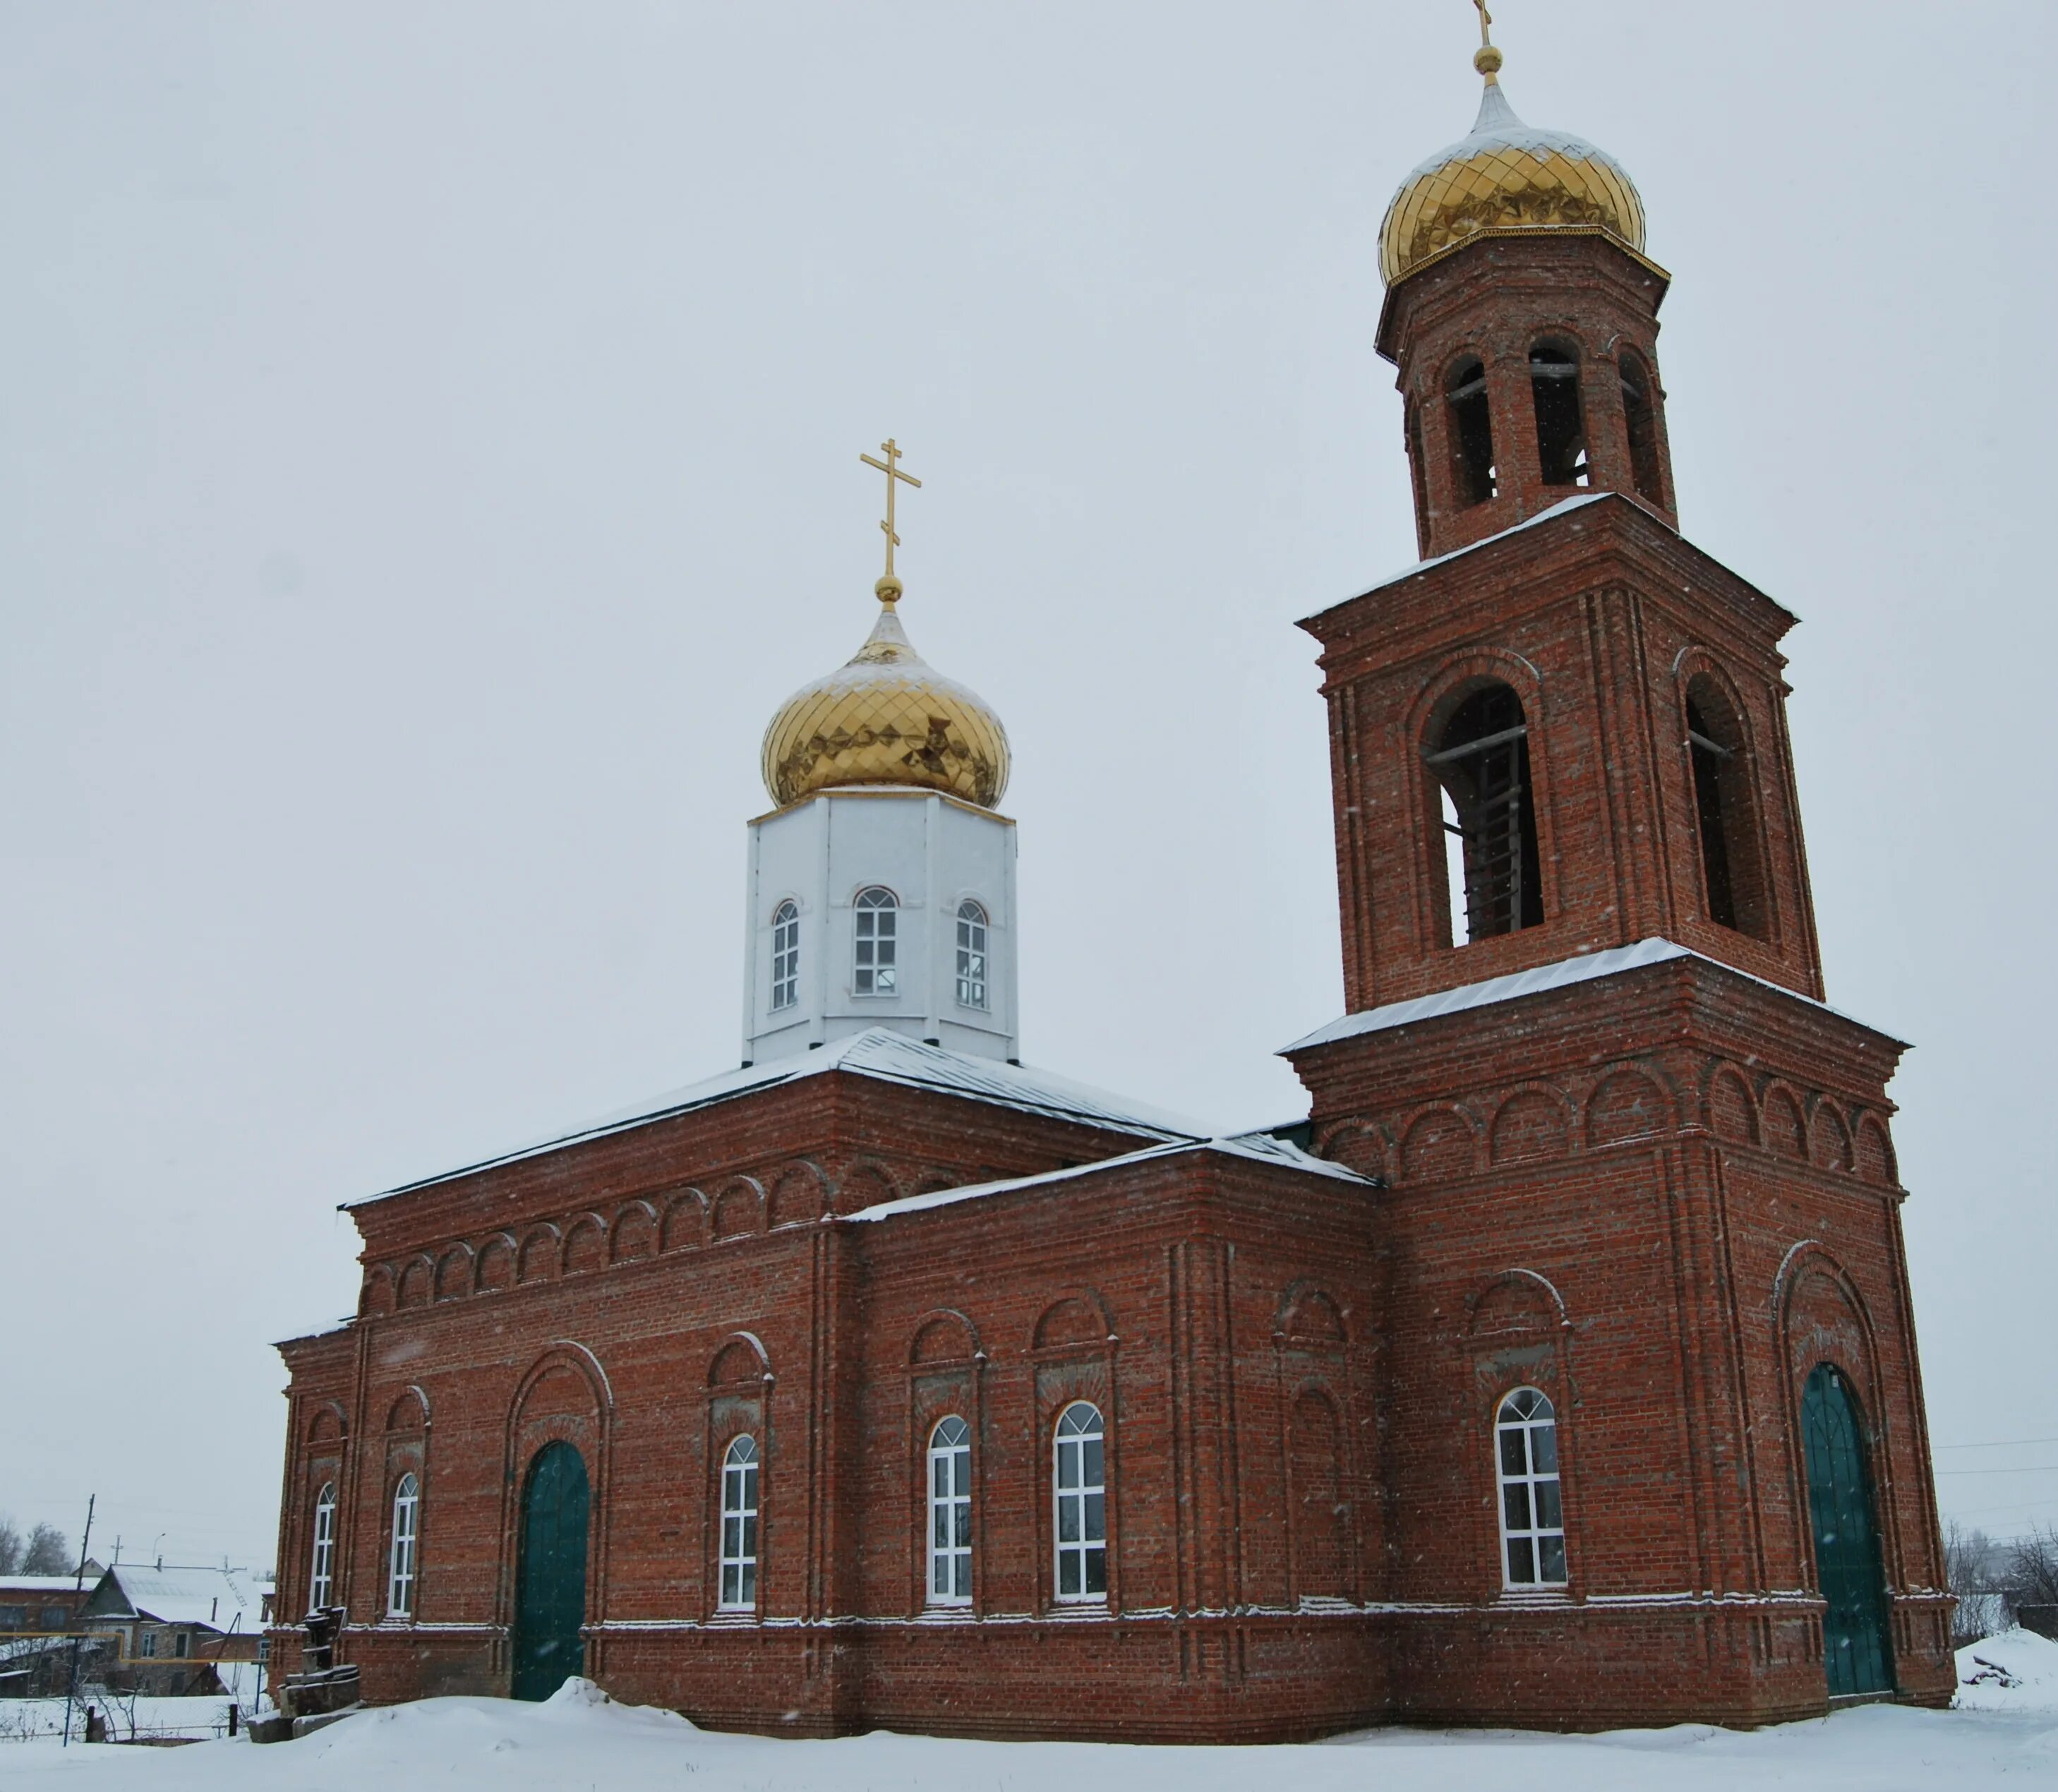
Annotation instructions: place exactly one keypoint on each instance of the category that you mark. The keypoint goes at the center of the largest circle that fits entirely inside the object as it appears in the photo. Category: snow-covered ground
(2005, 1734)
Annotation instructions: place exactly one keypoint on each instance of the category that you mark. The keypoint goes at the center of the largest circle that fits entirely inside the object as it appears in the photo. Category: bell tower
(1639, 1184)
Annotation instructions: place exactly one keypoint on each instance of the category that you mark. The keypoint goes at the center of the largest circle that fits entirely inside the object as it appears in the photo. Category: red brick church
(1559, 1371)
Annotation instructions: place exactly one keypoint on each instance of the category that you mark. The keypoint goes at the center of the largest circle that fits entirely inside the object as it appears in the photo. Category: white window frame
(401, 1559)
(972, 926)
(321, 1572)
(875, 961)
(786, 955)
(949, 1485)
(1079, 1500)
(738, 1587)
(1532, 1502)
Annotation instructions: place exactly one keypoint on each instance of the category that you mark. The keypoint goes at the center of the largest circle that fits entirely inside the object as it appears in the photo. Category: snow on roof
(1558, 509)
(1258, 1147)
(1585, 968)
(42, 1583)
(890, 1057)
(214, 1597)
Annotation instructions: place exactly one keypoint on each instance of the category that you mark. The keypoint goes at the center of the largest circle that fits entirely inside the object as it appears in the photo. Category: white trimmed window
(1079, 1486)
(321, 1578)
(739, 1526)
(971, 955)
(876, 970)
(950, 1513)
(400, 1575)
(1532, 1511)
(785, 955)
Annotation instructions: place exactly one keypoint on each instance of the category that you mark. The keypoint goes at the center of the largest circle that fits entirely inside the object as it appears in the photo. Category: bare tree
(10, 1547)
(2032, 1567)
(47, 1552)
(1968, 1555)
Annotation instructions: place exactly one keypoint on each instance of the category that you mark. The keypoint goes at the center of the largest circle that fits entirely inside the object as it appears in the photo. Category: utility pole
(77, 1586)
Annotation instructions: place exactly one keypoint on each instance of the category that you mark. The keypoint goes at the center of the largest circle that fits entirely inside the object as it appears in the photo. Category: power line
(1998, 1444)
(2025, 1469)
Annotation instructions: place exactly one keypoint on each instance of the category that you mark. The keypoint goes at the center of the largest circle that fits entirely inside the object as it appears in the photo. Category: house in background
(176, 1623)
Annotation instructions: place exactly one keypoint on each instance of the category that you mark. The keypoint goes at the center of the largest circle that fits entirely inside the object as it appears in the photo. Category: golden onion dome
(1503, 178)
(886, 718)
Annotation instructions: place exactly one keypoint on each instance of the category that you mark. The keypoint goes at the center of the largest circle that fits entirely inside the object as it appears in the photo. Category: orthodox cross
(1487, 57)
(890, 466)
(1486, 24)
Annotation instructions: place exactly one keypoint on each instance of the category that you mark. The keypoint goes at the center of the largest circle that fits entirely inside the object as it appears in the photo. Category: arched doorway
(1848, 1570)
(549, 1579)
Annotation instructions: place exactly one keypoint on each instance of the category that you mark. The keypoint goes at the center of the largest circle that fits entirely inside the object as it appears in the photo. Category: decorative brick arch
(1731, 1108)
(455, 1272)
(586, 1244)
(865, 1183)
(1533, 1121)
(741, 1359)
(1519, 1334)
(740, 1388)
(418, 1281)
(1309, 1315)
(1829, 1137)
(1694, 662)
(409, 1412)
(738, 1209)
(1875, 1153)
(635, 1233)
(944, 1335)
(1515, 1300)
(1077, 1319)
(376, 1296)
(685, 1224)
(1359, 1145)
(1321, 1515)
(1629, 1102)
(538, 1258)
(495, 1263)
(326, 1422)
(1783, 1123)
(1439, 1143)
(799, 1194)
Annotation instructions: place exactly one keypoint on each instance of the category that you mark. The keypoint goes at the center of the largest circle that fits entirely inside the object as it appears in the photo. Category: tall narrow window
(786, 955)
(321, 1577)
(1420, 474)
(739, 1526)
(1481, 761)
(875, 969)
(1639, 407)
(400, 1576)
(1561, 422)
(1079, 1484)
(1532, 1513)
(1730, 875)
(1471, 430)
(950, 1513)
(971, 955)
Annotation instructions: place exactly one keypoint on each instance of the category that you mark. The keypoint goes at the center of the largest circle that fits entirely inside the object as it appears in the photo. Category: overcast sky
(428, 453)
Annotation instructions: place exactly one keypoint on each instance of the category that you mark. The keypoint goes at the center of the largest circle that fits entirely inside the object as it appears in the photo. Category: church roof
(888, 1057)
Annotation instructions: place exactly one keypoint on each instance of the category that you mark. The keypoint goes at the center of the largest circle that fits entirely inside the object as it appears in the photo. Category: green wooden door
(1847, 1556)
(550, 1580)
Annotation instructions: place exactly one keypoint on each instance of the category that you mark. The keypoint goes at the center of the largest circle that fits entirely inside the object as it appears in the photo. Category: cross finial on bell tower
(1487, 57)
(888, 588)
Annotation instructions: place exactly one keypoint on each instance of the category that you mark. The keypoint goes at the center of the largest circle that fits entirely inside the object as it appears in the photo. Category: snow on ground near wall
(577, 1741)
(2016, 1670)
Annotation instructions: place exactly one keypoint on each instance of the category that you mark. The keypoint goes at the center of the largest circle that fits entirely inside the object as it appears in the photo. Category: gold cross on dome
(1486, 24)
(890, 466)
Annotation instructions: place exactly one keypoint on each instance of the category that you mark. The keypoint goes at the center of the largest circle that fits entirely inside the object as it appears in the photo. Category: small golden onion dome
(886, 718)
(1506, 177)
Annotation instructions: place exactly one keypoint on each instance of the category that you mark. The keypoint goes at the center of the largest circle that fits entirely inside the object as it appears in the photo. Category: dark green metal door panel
(549, 1581)
(1855, 1649)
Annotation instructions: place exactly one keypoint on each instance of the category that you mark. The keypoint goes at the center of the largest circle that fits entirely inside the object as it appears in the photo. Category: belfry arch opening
(1471, 431)
(1480, 759)
(1639, 407)
(1561, 418)
(1732, 874)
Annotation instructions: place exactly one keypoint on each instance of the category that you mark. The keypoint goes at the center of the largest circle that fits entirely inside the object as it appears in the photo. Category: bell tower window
(1731, 876)
(1561, 423)
(874, 968)
(1470, 425)
(1481, 761)
(786, 955)
(1639, 408)
(971, 955)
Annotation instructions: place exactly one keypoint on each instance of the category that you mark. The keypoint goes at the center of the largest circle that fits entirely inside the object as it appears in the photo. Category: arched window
(971, 955)
(876, 972)
(1079, 1485)
(950, 1513)
(1471, 431)
(1561, 422)
(786, 955)
(321, 1577)
(1731, 873)
(1532, 1514)
(1640, 406)
(400, 1576)
(1481, 761)
(739, 1526)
